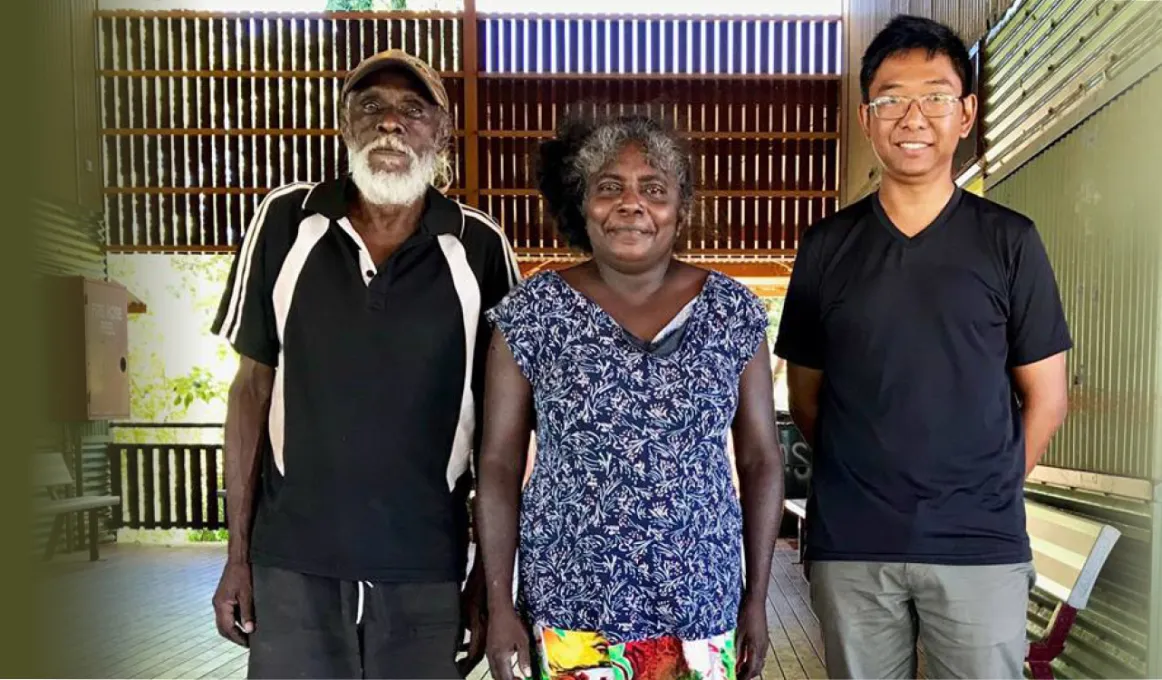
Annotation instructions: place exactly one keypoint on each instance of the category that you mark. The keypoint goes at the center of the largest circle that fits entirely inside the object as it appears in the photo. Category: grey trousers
(970, 620)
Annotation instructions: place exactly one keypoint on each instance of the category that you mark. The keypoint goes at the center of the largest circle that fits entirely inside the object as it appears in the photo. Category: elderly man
(356, 306)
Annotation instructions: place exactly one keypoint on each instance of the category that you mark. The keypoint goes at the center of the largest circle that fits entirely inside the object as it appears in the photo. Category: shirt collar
(332, 198)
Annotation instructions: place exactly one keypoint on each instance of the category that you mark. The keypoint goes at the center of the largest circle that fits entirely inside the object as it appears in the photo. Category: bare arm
(507, 424)
(803, 385)
(760, 471)
(760, 476)
(1044, 390)
(247, 409)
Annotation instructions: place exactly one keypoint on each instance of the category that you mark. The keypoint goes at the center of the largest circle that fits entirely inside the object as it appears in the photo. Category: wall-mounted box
(88, 342)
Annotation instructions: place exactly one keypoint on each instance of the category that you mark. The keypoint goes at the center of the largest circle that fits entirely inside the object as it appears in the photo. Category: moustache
(390, 144)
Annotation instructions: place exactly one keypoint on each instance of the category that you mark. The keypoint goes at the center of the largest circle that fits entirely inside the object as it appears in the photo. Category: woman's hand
(507, 636)
(750, 639)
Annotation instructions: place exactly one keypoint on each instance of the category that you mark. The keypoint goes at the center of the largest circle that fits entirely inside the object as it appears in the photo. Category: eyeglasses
(935, 105)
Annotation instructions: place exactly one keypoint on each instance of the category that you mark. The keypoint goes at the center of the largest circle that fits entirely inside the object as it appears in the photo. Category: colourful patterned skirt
(580, 655)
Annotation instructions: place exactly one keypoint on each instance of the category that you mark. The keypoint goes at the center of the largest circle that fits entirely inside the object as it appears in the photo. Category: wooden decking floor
(144, 612)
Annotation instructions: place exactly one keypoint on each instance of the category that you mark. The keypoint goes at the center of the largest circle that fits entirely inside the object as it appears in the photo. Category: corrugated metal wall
(69, 240)
(1056, 60)
(1097, 205)
(68, 214)
(971, 19)
(1100, 214)
(69, 208)
(72, 150)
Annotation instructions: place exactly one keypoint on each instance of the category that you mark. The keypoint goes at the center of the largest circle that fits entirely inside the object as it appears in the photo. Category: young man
(925, 342)
(357, 306)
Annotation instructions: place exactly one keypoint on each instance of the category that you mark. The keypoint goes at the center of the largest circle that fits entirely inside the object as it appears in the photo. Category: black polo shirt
(920, 452)
(378, 381)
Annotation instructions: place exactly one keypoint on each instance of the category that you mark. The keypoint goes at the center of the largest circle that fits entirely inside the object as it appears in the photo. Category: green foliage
(207, 535)
(197, 385)
(350, 5)
(774, 315)
(175, 364)
(365, 5)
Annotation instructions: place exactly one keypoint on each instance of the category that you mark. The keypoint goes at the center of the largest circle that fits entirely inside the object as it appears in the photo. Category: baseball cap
(402, 60)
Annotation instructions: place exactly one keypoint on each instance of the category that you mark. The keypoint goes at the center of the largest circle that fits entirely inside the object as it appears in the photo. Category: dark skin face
(633, 212)
(392, 104)
(917, 149)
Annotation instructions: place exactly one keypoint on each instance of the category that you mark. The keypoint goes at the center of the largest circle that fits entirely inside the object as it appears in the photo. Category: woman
(637, 366)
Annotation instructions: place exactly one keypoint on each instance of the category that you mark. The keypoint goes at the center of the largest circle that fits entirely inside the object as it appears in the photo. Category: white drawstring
(359, 610)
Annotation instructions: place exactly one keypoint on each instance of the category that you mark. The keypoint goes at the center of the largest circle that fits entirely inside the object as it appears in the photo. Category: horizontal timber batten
(253, 191)
(715, 77)
(574, 16)
(756, 263)
(741, 135)
(205, 14)
(487, 134)
(436, 14)
(218, 132)
(302, 74)
(704, 193)
(757, 255)
(238, 73)
(771, 277)
(1127, 487)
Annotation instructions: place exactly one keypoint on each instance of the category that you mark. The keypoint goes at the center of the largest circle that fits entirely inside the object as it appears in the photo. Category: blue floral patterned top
(630, 525)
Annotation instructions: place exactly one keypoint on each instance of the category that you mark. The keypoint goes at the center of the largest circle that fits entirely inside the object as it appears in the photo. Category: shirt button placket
(368, 266)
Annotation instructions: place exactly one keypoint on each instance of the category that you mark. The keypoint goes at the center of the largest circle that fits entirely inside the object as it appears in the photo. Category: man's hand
(473, 619)
(751, 638)
(507, 636)
(234, 603)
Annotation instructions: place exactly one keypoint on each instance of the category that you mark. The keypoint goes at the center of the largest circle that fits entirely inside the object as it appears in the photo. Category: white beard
(382, 187)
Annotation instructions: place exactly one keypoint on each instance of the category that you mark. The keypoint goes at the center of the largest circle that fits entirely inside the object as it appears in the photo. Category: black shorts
(316, 627)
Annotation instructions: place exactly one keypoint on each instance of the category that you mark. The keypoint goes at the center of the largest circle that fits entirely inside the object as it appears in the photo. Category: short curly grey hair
(582, 147)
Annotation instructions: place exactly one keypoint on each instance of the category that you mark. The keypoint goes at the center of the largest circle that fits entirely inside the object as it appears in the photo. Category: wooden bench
(798, 508)
(52, 474)
(1069, 552)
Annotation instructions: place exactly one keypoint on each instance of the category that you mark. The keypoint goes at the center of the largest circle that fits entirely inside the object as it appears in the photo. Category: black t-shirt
(379, 375)
(920, 446)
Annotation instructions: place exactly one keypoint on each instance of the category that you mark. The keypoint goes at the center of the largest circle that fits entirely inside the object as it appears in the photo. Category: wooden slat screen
(167, 486)
(205, 112)
(765, 152)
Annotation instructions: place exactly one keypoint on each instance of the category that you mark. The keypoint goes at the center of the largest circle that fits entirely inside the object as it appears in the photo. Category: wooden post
(93, 554)
(470, 53)
(74, 450)
(117, 514)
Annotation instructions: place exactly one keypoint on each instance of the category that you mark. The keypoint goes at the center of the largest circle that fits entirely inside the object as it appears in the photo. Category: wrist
(499, 602)
(238, 552)
(753, 597)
